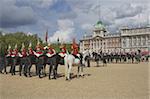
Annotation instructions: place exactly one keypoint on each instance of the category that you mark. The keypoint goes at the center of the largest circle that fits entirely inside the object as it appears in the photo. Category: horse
(32, 61)
(71, 60)
(53, 63)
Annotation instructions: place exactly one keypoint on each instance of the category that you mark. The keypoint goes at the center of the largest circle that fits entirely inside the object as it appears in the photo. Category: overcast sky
(67, 19)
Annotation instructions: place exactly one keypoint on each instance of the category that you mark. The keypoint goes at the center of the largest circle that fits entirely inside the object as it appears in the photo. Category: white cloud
(65, 31)
(81, 18)
(87, 26)
(13, 16)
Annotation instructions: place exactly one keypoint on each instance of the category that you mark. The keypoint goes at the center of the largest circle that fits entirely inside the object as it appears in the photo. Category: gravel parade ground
(114, 81)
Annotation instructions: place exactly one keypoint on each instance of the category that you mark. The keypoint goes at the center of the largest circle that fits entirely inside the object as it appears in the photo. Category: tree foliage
(19, 37)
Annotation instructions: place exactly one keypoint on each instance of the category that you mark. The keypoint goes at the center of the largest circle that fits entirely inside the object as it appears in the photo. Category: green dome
(99, 25)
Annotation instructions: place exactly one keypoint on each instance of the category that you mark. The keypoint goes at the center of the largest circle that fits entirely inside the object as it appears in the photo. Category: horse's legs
(44, 69)
(50, 69)
(13, 67)
(36, 69)
(25, 69)
(20, 69)
(54, 71)
(39, 71)
(97, 63)
(5, 66)
(66, 70)
(69, 70)
(80, 69)
(56, 67)
(29, 69)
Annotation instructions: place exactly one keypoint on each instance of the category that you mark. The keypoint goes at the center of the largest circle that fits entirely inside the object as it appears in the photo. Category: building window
(124, 43)
(130, 42)
(144, 41)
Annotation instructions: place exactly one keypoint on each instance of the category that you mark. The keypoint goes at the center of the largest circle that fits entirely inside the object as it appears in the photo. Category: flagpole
(46, 36)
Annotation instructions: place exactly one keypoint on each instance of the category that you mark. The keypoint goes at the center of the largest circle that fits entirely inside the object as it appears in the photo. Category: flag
(46, 36)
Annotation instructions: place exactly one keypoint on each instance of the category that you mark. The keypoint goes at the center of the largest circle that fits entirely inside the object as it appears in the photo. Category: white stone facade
(129, 39)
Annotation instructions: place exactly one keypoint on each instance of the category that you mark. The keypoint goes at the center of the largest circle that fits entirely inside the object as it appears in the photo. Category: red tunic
(39, 52)
(31, 51)
(63, 50)
(74, 49)
(15, 52)
(9, 52)
(24, 53)
(51, 51)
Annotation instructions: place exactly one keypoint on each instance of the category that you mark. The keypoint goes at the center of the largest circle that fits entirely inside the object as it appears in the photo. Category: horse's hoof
(25, 75)
(40, 77)
(82, 76)
(54, 78)
(49, 77)
(1, 72)
(45, 75)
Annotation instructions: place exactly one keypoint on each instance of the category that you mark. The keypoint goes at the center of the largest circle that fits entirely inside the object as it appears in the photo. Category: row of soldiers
(40, 50)
(24, 62)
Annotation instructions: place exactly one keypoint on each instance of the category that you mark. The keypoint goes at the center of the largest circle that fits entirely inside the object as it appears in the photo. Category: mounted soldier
(63, 50)
(39, 50)
(50, 51)
(74, 48)
(62, 53)
(14, 57)
(8, 58)
(40, 59)
(23, 60)
(32, 58)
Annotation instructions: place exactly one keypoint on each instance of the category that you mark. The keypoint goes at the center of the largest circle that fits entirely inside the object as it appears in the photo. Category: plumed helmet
(23, 46)
(16, 46)
(9, 47)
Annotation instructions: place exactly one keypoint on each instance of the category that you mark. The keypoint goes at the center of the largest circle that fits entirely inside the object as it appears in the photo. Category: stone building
(128, 39)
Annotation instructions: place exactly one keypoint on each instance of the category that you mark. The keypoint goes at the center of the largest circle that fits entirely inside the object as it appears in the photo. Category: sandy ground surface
(116, 81)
